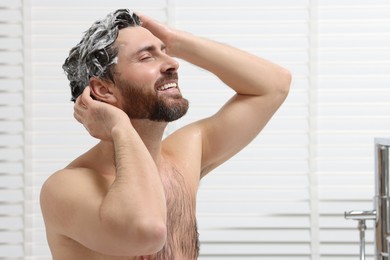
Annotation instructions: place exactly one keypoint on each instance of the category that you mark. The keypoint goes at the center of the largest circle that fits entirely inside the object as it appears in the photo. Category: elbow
(284, 82)
(152, 234)
(142, 235)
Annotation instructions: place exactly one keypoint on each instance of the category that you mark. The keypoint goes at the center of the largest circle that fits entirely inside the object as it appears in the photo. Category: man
(132, 196)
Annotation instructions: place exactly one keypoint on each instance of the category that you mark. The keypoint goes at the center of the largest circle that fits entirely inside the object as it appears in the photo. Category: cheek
(143, 74)
(134, 91)
(138, 71)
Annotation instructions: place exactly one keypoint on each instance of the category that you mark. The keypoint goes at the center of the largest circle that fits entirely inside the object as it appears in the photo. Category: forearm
(136, 198)
(244, 72)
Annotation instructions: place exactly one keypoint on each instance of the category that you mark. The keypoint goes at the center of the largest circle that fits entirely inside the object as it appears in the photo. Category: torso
(180, 187)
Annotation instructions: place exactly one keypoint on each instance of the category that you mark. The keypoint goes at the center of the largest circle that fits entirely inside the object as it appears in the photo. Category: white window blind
(11, 130)
(351, 106)
(284, 196)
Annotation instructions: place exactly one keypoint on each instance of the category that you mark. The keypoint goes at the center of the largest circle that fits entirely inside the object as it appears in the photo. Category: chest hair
(183, 238)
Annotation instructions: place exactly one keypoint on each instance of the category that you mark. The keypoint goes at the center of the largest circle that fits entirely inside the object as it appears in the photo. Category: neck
(151, 134)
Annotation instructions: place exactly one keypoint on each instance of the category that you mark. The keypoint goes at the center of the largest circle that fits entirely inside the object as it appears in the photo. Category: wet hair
(95, 54)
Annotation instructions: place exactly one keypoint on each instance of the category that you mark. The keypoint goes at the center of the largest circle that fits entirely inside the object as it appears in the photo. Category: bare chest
(180, 195)
(182, 238)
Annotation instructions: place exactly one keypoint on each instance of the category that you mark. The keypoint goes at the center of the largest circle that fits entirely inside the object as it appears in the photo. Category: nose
(169, 64)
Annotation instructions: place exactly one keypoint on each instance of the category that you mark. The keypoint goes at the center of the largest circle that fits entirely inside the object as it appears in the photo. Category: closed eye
(146, 52)
(146, 57)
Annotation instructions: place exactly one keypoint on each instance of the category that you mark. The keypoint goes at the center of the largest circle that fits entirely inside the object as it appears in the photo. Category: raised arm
(126, 217)
(260, 85)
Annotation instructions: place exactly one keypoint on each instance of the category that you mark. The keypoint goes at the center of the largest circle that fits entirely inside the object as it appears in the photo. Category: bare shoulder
(184, 148)
(189, 136)
(69, 179)
(71, 182)
(65, 190)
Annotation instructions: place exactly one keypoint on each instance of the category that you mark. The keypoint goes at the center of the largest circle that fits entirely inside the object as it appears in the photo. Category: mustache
(172, 76)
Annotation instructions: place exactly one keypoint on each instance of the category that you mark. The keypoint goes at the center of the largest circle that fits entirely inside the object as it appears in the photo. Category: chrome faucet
(361, 217)
(381, 213)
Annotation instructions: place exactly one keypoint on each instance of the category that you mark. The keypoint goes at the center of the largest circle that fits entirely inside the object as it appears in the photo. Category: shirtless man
(132, 196)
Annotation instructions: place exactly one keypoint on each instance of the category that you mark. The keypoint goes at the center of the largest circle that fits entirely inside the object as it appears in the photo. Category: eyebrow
(150, 48)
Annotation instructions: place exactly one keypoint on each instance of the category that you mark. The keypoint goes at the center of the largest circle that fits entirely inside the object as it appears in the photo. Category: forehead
(134, 38)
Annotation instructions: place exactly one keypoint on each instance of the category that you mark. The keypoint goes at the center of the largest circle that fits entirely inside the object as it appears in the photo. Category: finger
(77, 117)
(86, 97)
(149, 23)
(78, 102)
(79, 108)
(142, 17)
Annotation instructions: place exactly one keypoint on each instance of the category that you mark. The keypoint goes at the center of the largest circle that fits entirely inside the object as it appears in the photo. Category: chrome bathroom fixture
(381, 212)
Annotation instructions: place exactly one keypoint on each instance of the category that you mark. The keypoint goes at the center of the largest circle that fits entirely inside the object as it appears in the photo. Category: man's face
(147, 77)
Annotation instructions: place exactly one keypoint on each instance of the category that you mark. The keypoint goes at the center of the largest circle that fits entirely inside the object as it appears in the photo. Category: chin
(170, 114)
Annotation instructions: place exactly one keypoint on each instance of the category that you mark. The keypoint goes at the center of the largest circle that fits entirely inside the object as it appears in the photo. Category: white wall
(281, 198)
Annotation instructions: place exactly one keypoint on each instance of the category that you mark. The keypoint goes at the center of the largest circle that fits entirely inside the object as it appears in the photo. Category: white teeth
(167, 86)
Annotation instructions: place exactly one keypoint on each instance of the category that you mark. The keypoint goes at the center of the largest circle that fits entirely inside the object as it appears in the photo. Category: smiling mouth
(167, 86)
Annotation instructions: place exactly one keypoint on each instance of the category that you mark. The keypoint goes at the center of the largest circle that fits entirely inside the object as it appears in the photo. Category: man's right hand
(98, 118)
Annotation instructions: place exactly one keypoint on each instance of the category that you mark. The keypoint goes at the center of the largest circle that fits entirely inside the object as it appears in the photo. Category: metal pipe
(382, 224)
(362, 228)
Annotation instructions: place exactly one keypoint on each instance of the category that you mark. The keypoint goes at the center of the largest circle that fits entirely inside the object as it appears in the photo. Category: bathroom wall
(284, 196)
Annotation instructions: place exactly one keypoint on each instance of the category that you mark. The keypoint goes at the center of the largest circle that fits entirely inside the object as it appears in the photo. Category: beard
(139, 102)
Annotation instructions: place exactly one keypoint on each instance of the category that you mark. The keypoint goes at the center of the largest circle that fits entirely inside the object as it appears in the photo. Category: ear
(102, 90)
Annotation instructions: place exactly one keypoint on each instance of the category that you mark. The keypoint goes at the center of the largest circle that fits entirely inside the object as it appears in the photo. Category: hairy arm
(125, 217)
(260, 85)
